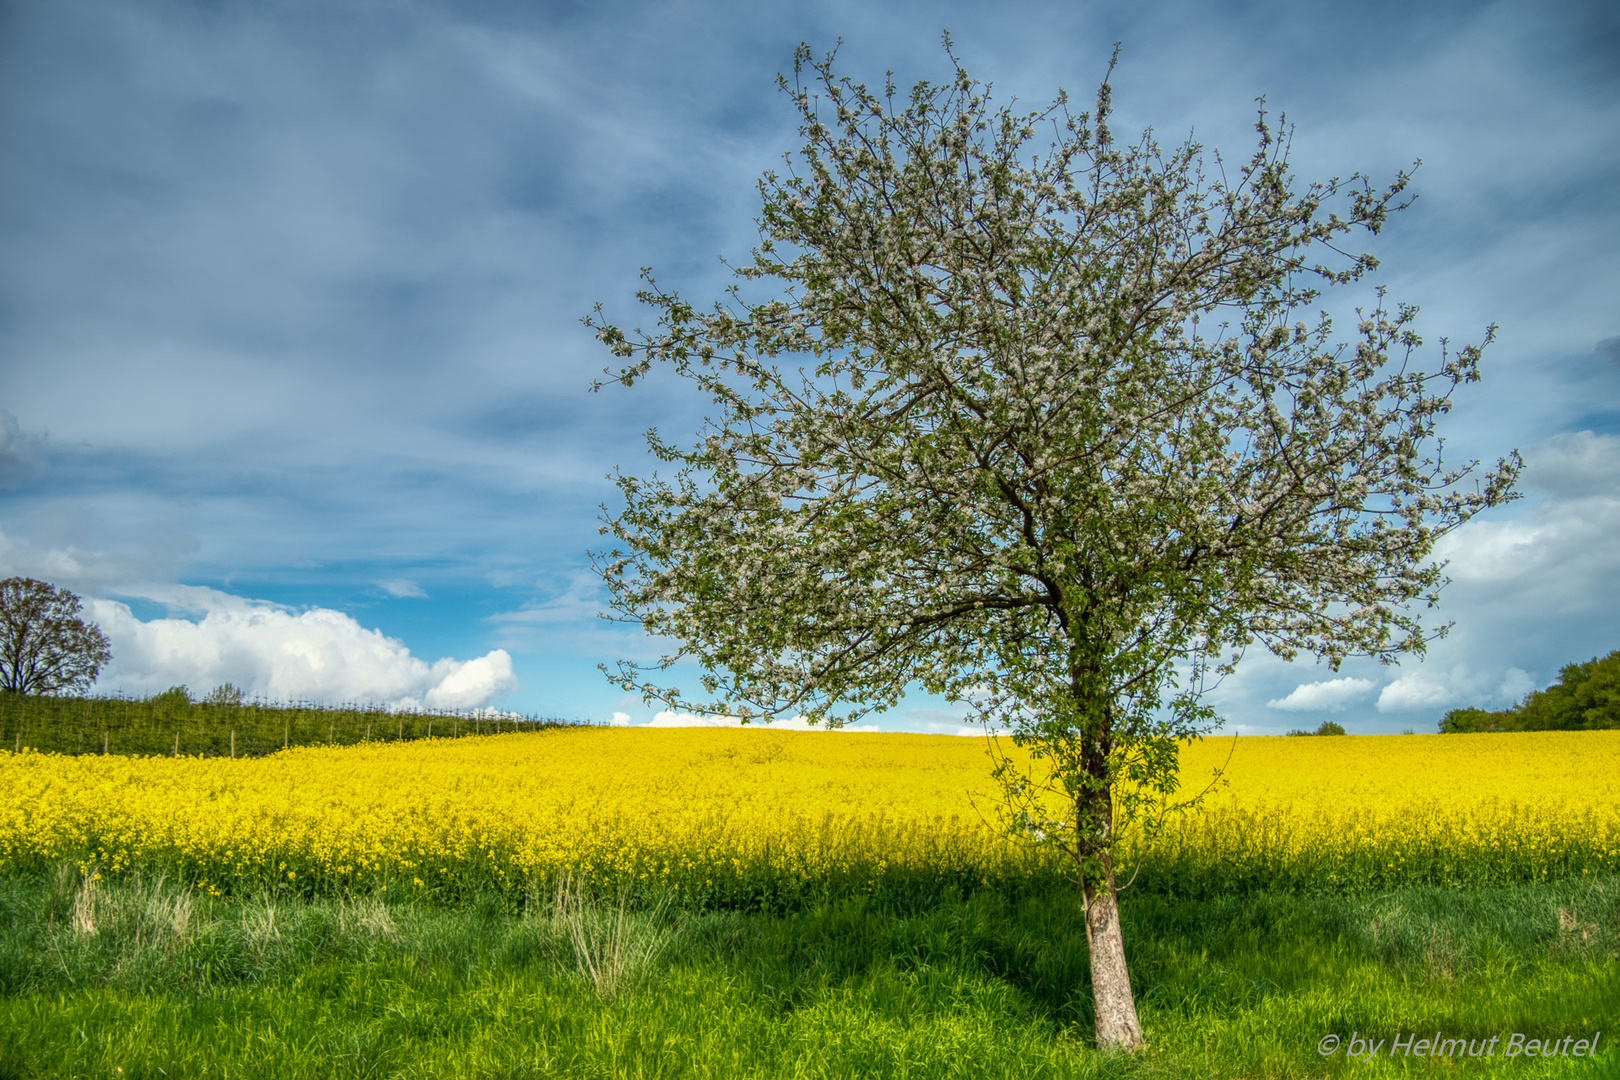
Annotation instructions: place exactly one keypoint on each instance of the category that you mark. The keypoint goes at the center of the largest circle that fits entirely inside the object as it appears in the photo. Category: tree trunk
(1114, 1004)
(1117, 1026)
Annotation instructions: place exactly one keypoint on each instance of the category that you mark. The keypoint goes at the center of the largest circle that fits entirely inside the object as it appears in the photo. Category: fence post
(331, 732)
(233, 742)
(368, 731)
(177, 744)
(402, 729)
(286, 733)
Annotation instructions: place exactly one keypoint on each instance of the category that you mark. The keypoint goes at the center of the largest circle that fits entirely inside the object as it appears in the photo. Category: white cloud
(1458, 687)
(1487, 551)
(670, 719)
(620, 719)
(464, 684)
(272, 652)
(1415, 691)
(1567, 544)
(1533, 588)
(1330, 694)
(403, 588)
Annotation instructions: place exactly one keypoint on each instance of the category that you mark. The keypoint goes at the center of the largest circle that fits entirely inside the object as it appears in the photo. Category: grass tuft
(614, 948)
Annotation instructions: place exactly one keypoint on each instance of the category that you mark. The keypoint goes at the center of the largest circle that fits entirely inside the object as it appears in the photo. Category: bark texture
(1117, 1026)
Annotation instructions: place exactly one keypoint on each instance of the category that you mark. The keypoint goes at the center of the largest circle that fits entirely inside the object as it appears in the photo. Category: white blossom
(1060, 427)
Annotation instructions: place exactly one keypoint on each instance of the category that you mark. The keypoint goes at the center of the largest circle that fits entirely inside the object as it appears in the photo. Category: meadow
(161, 982)
(711, 902)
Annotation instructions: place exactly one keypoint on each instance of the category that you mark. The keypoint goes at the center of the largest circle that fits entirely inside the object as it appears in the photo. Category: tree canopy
(1043, 421)
(45, 648)
(1586, 697)
(1327, 727)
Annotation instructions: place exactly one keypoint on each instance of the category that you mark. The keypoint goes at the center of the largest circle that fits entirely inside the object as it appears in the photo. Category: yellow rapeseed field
(762, 817)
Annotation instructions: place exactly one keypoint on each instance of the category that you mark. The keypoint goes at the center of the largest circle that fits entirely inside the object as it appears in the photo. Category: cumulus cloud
(275, 653)
(1455, 688)
(1560, 559)
(403, 588)
(1566, 546)
(1329, 694)
(620, 719)
(1530, 593)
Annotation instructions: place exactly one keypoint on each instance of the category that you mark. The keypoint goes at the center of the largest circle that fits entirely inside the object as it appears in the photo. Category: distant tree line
(49, 656)
(224, 723)
(1586, 697)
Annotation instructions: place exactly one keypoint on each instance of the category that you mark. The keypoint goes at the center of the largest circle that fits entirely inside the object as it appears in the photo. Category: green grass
(168, 724)
(169, 984)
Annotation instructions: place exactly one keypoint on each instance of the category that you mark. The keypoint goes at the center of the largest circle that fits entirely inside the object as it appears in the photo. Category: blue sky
(294, 386)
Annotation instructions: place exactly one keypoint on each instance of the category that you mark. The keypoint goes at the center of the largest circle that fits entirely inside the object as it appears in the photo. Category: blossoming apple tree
(1043, 420)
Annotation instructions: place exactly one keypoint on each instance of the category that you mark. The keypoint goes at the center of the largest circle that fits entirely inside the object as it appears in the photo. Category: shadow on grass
(145, 976)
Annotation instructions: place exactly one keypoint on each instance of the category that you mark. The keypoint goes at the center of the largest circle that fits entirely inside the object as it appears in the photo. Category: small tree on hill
(1459, 721)
(1040, 427)
(175, 701)
(225, 694)
(1327, 727)
(45, 648)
